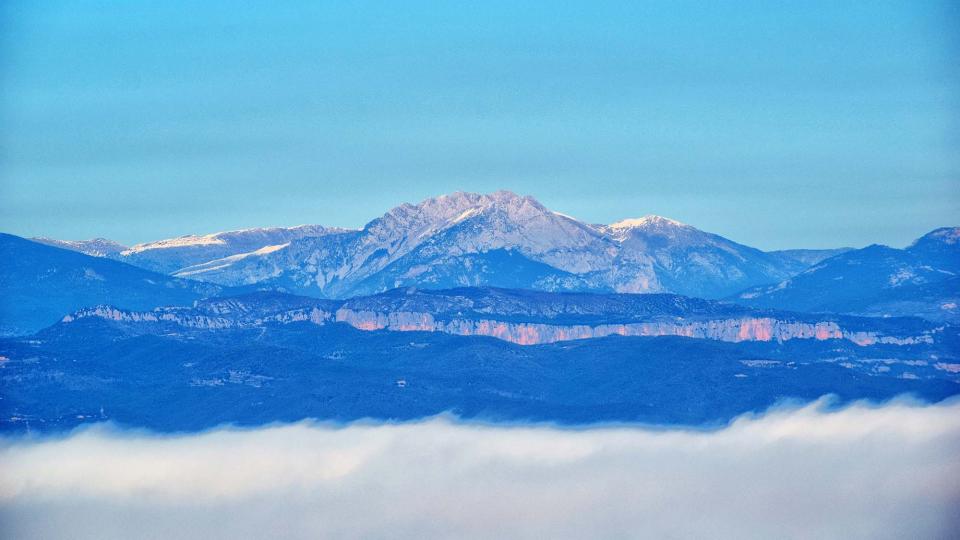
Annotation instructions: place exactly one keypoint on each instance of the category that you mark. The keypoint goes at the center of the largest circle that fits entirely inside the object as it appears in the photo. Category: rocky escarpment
(190, 319)
(530, 333)
(518, 317)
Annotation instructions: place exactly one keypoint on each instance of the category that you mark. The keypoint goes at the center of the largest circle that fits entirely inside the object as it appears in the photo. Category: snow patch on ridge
(225, 262)
(181, 241)
(226, 237)
(646, 221)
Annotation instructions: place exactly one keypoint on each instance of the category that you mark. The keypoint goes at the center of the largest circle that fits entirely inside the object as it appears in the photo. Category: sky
(810, 124)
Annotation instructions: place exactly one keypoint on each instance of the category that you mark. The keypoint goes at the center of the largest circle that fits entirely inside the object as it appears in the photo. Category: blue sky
(778, 125)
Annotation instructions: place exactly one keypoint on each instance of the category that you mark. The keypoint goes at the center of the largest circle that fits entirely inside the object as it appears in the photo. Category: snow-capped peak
(646, 221)
(667, 232)
(461, 199)
(499, 220)
(437, 213)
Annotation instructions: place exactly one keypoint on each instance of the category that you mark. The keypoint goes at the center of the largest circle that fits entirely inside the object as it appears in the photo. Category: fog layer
(862, 472)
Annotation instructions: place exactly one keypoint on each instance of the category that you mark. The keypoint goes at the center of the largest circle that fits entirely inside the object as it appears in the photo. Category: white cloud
(863, 472)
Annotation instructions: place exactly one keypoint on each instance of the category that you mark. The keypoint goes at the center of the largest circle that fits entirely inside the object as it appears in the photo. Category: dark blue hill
(39, 284)
(922, 280)
(95, 370)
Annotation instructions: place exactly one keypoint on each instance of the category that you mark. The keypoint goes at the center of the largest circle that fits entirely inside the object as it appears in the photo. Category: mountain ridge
(922, 279)
(502, 239)
(441, 233)
(526, 317)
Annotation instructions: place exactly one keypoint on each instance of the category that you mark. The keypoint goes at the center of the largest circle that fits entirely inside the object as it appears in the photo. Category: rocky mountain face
(499, 239)
(525, 317)
(462, 238)
(692, 262)
(921, 280)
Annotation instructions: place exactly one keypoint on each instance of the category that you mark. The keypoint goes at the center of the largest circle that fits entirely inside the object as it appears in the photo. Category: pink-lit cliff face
(733, 330)
(736, 329)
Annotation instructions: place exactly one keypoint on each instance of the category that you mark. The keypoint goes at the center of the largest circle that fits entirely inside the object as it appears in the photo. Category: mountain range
(466, 239)
(486, 305)
(506, 240)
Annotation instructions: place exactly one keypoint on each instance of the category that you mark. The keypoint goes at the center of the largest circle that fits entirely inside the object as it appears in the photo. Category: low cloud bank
(861, 472)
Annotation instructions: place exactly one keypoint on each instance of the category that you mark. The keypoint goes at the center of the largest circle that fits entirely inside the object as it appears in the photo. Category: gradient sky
(798, 125)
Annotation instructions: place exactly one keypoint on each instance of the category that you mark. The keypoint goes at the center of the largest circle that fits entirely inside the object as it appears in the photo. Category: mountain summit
(500, 239)
(507, 240)
(466, 239)
(647, 222)
(497, 239)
